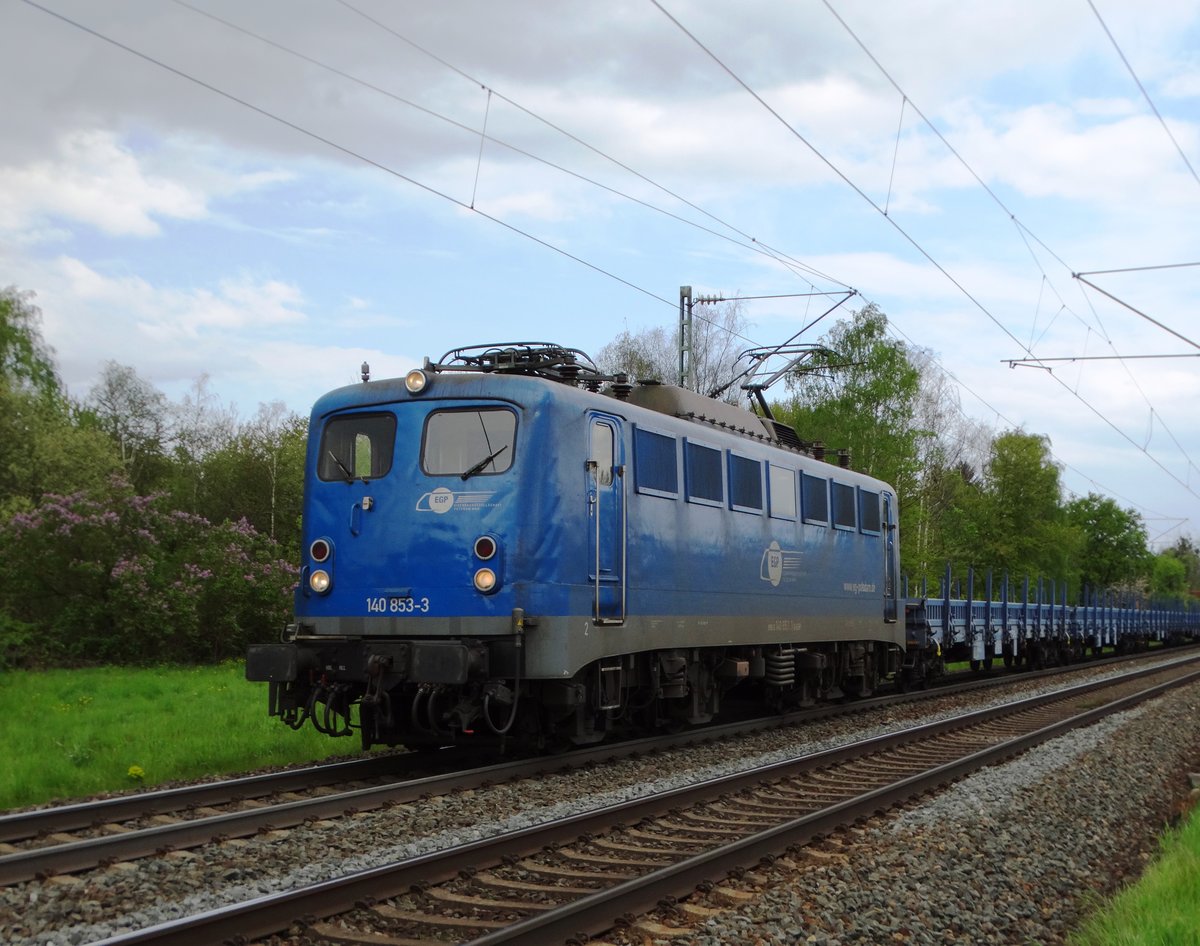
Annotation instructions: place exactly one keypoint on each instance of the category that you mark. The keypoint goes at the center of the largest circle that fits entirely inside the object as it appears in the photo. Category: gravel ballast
(1030, 836)
(1017, 853)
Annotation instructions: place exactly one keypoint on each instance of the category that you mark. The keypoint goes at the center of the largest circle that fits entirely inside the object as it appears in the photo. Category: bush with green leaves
(116, 577)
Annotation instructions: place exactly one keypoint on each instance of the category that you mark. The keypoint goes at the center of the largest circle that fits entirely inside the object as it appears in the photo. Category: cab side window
(357, 447)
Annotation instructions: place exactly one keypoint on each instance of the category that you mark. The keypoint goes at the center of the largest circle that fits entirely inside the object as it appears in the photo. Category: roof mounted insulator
(535, 359)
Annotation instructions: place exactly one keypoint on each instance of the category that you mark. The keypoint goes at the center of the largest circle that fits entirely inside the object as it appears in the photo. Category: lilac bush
(123, 578)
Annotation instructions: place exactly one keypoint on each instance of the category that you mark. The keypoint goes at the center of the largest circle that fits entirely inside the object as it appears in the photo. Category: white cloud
(313, 369)
(93, 180)
(1046, 151)
(172, 229)
(169, 334)
(97, 179)
(1185, 85)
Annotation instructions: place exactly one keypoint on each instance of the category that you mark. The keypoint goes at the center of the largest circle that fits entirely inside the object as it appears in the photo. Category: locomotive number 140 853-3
(397, 604)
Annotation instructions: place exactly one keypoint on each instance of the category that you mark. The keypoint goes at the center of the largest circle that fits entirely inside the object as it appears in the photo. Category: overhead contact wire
(590, 147)
(1021, 227)
(342, 148)
(904, 233)
(793, 266)
(1146, 95)
(912, 241)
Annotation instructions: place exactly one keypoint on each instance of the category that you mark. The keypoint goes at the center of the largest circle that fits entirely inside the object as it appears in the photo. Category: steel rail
(27, 824)
(272, 913)
(600, 911)
(88, 853)
(192, 832)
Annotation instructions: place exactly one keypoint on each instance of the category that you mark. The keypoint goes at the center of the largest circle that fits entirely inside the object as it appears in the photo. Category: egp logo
(772, 564)
(441, 500)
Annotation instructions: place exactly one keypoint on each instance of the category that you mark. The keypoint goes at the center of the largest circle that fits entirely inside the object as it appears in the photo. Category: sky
(268, 194)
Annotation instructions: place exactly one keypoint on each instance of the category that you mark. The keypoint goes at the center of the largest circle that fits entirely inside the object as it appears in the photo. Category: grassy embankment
(1163, 908)
(70, 733)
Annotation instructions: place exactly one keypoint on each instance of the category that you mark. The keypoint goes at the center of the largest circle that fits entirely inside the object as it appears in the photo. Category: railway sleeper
(489, 879)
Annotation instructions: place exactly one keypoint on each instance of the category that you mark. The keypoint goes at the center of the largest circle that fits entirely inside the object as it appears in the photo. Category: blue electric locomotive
(509, 545)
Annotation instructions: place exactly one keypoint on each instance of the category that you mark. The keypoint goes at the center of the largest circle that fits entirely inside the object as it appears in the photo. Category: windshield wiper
(467, 474)
(344, 469)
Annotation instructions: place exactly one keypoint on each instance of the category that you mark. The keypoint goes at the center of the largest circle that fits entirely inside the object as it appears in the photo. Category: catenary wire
(349, 152)
(794, 266)
(376, 164)
(1146, 95)
(1023, 229)
(583, 143)
(896, 330)
(916, 245)
(837, 171)
(367, 160)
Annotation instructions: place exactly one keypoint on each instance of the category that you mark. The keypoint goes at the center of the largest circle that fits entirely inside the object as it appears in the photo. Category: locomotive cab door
(889, 558)
(606, 518)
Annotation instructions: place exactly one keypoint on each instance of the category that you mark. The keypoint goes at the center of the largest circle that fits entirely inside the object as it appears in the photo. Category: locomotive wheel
(870, 680)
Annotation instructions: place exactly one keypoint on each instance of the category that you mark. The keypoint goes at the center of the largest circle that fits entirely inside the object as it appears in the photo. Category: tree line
(138, 529)
(134, 528)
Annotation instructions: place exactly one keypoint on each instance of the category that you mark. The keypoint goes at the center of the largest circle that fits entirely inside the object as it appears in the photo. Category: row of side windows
(706, 470)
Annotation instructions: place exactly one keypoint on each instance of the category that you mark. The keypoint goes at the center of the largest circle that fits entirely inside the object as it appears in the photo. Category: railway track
(548, 883)
(72, 838)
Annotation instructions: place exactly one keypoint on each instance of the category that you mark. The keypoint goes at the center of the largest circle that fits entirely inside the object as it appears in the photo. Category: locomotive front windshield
(357, 446)
(468, 442)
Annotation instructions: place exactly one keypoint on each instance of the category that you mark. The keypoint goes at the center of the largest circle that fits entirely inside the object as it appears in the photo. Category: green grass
(1163, 908)
(71, 733)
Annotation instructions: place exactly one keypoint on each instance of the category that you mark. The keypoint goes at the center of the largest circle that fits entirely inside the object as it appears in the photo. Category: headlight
(319, 581)
(415, 381)
(485, 580)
